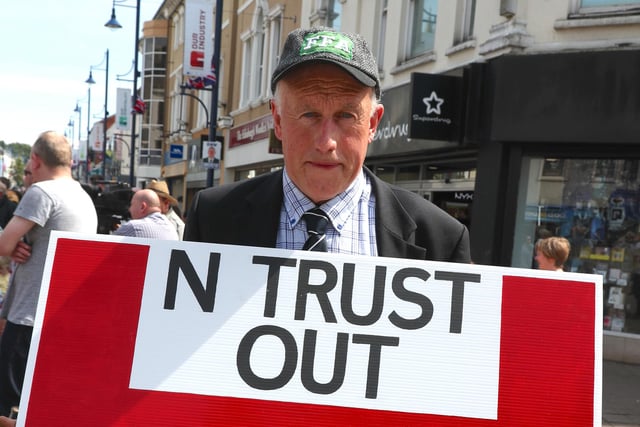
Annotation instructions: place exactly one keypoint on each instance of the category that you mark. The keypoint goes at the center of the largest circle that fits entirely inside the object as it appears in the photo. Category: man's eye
(346, 115)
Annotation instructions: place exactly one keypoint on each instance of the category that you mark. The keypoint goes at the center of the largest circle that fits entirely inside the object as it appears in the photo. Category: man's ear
(374, 121)
(276, 119)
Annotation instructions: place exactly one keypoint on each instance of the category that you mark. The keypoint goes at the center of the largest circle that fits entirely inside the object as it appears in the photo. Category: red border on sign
(86, 350)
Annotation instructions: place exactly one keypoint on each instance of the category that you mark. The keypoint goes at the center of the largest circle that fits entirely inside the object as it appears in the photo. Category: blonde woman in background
(552, 253)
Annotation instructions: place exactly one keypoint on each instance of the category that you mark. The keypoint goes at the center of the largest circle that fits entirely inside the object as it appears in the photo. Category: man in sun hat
(168, 202)
(325, 110)
(147, 219)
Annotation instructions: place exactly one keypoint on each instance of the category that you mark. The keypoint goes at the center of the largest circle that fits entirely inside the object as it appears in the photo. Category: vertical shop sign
(436, 102)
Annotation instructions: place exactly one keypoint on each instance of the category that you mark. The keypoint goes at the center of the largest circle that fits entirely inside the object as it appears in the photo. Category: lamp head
(113, 22)
(90, 79)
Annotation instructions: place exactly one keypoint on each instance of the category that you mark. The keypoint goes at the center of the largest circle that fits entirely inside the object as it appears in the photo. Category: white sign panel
(315, 344)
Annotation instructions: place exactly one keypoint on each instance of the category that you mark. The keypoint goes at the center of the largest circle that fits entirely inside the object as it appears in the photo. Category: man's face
(165, 204)
(28, 177)
(326, 120)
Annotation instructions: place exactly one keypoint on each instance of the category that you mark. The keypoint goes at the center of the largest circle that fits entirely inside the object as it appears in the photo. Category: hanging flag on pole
(203, 82)
(198, 29)
(123, 109)
(139, 106)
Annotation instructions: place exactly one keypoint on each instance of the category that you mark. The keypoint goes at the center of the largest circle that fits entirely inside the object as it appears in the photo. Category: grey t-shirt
(57, 204)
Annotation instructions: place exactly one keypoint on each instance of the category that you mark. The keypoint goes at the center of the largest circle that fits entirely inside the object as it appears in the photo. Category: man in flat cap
(168, 202)
(325, 110)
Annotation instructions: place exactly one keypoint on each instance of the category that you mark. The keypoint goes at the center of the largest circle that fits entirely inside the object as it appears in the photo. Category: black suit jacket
(248, 213)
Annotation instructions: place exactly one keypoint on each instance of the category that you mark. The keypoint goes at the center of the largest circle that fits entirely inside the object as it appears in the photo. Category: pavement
(620, 394)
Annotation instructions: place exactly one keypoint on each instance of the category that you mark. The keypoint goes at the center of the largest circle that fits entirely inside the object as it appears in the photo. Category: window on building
(253, 61)
(327, 13)
(178, 31)
(334, 14)
(382, 34)
(465, 17)
(607, 3)
(178, 110)
(595, 204)
(423, 14)
(606, 7)
(275, 34)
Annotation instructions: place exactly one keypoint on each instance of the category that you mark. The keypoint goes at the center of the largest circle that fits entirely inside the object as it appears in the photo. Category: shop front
(562, 158)
(441, 170)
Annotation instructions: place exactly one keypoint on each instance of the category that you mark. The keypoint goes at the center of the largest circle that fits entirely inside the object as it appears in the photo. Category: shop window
(385, 172)
(408, 173)
(595, 203)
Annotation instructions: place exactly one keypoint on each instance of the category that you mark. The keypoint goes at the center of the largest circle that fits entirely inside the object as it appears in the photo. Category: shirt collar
(339, 209)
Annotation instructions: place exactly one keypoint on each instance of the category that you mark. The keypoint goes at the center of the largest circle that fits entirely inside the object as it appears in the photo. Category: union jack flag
(202, 82)
(139, 106)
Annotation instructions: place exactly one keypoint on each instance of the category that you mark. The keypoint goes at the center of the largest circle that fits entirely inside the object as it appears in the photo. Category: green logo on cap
(327, 42)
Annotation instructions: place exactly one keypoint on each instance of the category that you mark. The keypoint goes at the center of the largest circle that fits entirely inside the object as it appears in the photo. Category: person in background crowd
(10, 194)
(5, 274)
(55, 201)
(552, 253)
(6, 206)
(169, 205)
(325, 111)
(147, 218)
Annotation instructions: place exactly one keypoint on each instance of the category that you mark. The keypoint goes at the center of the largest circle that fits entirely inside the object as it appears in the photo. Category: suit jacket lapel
(395, 228)
(262, 213)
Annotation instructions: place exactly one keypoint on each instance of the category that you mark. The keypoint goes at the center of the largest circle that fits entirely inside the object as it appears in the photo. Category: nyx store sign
(436, 102)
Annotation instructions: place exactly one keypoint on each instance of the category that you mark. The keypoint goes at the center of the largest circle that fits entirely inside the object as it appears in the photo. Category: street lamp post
(72, 125)
(117, 138)
(91, 81)
(214, 95)
(106, 117)
(114, 24)
(78, 110)
(88, 127)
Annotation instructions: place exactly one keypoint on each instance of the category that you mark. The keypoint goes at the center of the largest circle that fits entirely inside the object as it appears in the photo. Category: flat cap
(347, 50)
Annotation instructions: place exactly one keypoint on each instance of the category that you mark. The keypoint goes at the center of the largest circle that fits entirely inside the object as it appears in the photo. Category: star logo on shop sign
(433, 103)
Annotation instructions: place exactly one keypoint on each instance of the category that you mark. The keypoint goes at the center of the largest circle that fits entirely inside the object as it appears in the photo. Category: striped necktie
(317, 222)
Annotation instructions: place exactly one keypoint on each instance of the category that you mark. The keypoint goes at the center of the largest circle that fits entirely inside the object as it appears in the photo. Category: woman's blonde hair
(556, 248)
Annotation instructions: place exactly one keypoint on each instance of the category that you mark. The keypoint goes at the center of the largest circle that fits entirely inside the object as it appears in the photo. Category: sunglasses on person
(27, 173)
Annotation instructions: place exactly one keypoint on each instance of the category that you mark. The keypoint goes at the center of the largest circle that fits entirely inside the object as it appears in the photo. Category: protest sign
(141, 332)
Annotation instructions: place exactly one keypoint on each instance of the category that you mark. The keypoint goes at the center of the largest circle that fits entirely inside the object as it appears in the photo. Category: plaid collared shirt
(352, 218)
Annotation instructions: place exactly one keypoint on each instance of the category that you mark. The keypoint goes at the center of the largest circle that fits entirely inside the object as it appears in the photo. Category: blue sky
(45, 56)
